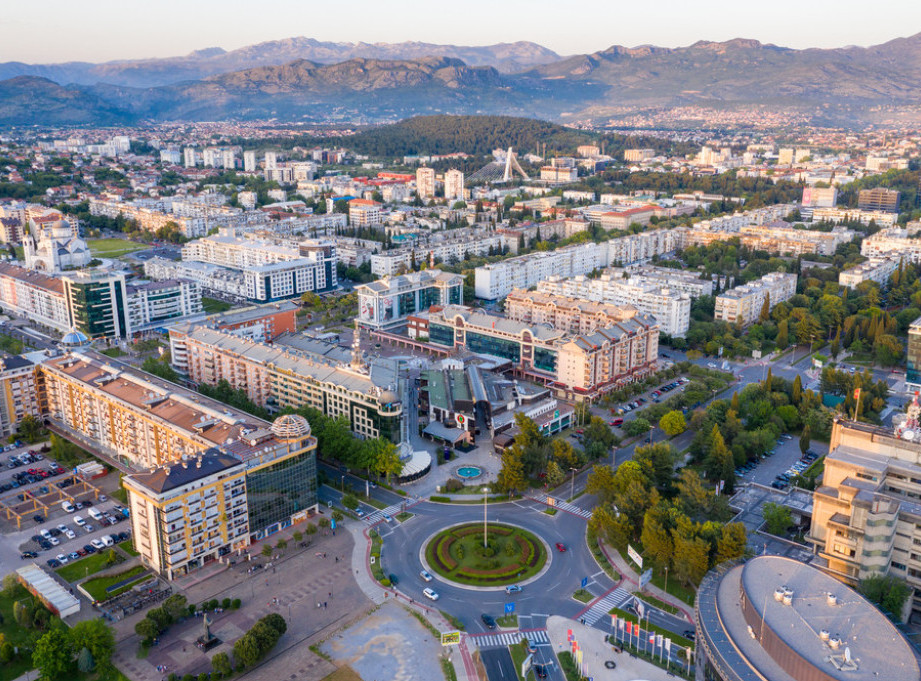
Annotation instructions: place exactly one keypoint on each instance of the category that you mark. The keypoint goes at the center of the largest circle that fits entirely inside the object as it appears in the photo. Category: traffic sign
(584, 582)
(645, 578)
(509, 608)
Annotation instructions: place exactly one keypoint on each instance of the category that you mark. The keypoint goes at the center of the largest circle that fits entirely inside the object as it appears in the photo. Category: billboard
(634, 556)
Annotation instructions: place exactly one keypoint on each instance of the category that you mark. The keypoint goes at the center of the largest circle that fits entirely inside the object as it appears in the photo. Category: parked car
(393, 578)
(79, 520)
(62, 559)
(97, 544)
(28, 554)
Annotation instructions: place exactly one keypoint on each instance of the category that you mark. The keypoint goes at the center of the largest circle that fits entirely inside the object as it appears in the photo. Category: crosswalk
(538, 636)
(377, 516)
(562, 505)
(615, 599)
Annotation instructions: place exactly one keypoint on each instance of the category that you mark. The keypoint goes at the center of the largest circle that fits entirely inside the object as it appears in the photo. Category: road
(499, 666)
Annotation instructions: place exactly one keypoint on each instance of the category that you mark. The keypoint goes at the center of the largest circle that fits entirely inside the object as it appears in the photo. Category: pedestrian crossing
(562, 505)
(377, 516)
(538, 636)
(615, 599)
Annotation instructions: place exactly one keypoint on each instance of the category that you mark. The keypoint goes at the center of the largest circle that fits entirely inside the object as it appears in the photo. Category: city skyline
(101, 31)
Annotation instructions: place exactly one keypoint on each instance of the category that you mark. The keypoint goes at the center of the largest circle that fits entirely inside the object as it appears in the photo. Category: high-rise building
(271, 160)
(425, 183)
(190, 157)
(249, 161)
(743, 303)
(913, 359)
(879, 199)
(97, 302)
(389, 301)
(454, 185)
(364, 213)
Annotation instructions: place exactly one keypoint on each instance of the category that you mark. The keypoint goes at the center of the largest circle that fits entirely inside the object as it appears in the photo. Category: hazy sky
(99, 30)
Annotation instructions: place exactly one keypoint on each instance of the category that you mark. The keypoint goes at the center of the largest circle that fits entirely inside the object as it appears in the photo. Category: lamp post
(572, 483)
(342, 484)
(485, 491)
(666, 579)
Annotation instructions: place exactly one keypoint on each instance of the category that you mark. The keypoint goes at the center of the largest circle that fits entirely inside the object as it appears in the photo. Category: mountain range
(382, 82)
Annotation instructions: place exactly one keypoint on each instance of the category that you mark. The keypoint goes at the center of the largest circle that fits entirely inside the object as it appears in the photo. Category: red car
(561, 547)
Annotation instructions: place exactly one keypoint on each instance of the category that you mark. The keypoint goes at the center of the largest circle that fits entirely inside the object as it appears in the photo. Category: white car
(97, 544)
(70, 533)
(54, 541)
(62, 559)
(63, 528)
(45, 533)
(78, 519)
(431, 594)
(426, 576)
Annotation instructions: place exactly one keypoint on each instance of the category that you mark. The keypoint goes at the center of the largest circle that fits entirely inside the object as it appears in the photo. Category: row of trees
(87, 647)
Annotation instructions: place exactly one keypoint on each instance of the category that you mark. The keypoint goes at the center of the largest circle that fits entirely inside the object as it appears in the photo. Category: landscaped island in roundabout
(510, 555)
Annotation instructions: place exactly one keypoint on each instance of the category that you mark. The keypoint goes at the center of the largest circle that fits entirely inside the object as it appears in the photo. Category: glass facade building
(278, 490)
(913, 362)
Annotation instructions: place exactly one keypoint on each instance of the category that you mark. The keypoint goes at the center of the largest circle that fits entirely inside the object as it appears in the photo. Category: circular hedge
(511, 554)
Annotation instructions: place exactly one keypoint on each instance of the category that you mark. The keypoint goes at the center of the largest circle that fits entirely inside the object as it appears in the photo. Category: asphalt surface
(499, 666)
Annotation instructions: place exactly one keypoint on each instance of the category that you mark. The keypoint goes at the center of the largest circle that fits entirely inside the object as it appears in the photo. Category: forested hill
(479, 135)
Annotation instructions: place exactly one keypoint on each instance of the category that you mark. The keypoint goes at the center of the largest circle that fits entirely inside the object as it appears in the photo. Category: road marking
(538, 636)
(615, 599)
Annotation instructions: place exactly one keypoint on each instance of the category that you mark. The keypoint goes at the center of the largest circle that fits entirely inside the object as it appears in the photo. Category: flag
(620, 624)
(613, 620)
(668, 645)
(659, 638)
(652, 638)
(636, 628)
(569, 634)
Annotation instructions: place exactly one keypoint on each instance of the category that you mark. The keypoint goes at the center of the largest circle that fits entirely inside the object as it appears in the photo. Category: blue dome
(75, 339)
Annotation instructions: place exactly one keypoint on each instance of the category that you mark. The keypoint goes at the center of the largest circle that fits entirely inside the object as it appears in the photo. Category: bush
(235, 604)
(385, 582)
(310, 528)
(324, 522)
(453, 485)
(350, 502)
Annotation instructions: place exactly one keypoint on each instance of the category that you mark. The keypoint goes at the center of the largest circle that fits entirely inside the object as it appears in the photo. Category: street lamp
(342, 483)
(485, 490)
(572, 483)
(666, 579)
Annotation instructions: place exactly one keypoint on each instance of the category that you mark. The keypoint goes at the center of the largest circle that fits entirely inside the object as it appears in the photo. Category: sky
(100, 30)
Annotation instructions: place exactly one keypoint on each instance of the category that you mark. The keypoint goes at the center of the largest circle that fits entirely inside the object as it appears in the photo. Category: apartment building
(745, 302)
(913, 359)
(571, 315)
(364, 213)
(450, 250)
(865, 217)
(425, 183)
(526, 233)
(624, 218)
(638, 155)
(150, 219)
(389, 301)
(209, 277)
(278, 376)
(893, 242)
(671, 309)
(879, 199)
(154, 303)
(18, 392)
(454, 185)
(879, 270)
(34, 295)
(866, 515)
(683, 281)
(577, 366)
(558, 175)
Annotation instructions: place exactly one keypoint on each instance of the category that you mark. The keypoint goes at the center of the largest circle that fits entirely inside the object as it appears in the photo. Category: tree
(220, 663)
(888, 350)
(783, 335)
(887, 591)
(797, 395)
(673, 423)
(30, 429)
(731, 544)
(555, 475)
(177, 606)
(350, 501)
(777, 518)
(53, 654)
(636, 427)
(85, 661)
(719, 462)
(691, 557)
(805, 439)
(657, 543)
(765, 309)
(511, 475)
(266, 550)
(95, 636)
(277, 622)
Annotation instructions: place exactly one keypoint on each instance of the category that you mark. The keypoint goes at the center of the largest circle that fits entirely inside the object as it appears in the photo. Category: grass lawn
(551, 511)
(97, 587)
(371, 501)
(404, 516)
(508, 621)
(78, 569)
(458, 554)
(113, 248)
(343, 674)
(582, 596)
(121, 494)
(113, 352)
(519, 653)
(214, 306)
(674, 588)
(655, 602)
(128, 548)
(15, 634)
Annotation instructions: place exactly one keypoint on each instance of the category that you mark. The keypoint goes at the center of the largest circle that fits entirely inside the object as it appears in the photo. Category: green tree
(657, 543)
(637, 426)
(277, 622)
(887, 591)
(30, 429)
(177, 606)
(266, 550)
(731, 544)
(796, 396)
(220, 663)
(85, 661)
(765, 309)
(777, 518)
(691, 557)
(555, 475)
(511, 475)
(673, 423)
(783, 335)
(719, 463)
(805, 439)
(350, 501)
(95, 636)
(53, 654)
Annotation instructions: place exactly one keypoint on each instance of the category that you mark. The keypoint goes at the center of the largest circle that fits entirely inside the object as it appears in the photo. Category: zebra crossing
(615, 599)
(377, 516)
(537, 636)
(562, 505)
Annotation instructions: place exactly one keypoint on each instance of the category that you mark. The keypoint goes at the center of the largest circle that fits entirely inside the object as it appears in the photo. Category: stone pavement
(596, 651)
(292, 585)
(628, 574)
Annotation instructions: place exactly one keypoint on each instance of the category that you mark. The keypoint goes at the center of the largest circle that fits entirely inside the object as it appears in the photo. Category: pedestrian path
(616, 599)
(389, 512)
(562, 505)
(538, 636)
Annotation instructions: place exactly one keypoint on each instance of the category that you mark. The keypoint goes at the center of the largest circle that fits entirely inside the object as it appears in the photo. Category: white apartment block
(893, 242)
(637, 155)
(454, 185)
(865, 217)
(745, 302)
(150, 219)
(879, 270)
(190, 157)
(35, 296)
(209, 277)
(249, 161)
(496, 280)
(671, 309)
(364, 213)
(155, 302)
(684, 281)
(774, 239)
(425, 183)
(389, 263)
(529, 232)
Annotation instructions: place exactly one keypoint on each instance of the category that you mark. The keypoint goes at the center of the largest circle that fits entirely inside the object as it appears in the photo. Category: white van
(107, 540)
(68, 507)
(95, 513)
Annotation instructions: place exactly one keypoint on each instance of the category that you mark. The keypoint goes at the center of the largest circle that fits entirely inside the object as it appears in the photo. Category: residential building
(866, 514)
(893, 242)
(454, 185)
(913, 359)
(364, 213)
(209, 277)
(571, 315)
(558, 174)
(190, 157)
(34, 295)
(97, 303)
(864, 217)
(638, 155)
(250, 165)
(425, 183)
(389, 301)
(879, 199)
(278, 376)
(449, 250)
(624, 218)
(879, 270)
(743, 303)
(526, 233)
(153, 303)
(18, 392)
(683, 281)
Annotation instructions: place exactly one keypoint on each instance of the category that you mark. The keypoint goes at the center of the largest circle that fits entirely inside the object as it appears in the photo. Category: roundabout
(509, 554)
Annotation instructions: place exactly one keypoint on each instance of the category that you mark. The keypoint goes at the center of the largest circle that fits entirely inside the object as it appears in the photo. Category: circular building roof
(75, 339)
(290, 427)
(775, 618)
(388, 397)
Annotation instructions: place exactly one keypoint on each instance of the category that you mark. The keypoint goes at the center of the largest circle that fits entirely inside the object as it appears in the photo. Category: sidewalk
(361, 564)
(629, 575)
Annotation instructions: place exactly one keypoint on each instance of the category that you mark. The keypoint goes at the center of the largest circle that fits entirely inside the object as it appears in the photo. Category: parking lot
(51, 515)
(786, 455)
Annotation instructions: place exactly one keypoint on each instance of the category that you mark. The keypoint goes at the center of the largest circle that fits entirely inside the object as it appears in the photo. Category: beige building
(866, 515)
(745, 302)
(565, 314)
(454, 185)
(425, 183)
(18, 392)
(879, 270)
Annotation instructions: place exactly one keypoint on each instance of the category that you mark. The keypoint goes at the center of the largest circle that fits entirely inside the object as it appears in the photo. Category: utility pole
(485, 504)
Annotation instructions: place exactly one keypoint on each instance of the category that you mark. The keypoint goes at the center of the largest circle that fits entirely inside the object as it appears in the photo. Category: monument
(207, 640)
